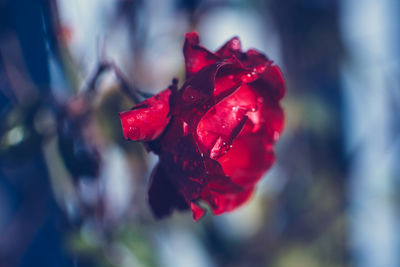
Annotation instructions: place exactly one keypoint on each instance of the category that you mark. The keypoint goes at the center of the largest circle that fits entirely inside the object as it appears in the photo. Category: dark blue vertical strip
(27, 19)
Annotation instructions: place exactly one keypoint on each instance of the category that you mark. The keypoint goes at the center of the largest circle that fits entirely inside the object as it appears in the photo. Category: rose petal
(204, 90)
(163, 197)
(273, 120)
(197, 211)
(181, 159)
(267, 115)
(225, 202)
(253, 58)
(230, 48)
(221, 124)
(217, 129)
(196, 56)
(271, 83)
(249, 157)
(147, 120)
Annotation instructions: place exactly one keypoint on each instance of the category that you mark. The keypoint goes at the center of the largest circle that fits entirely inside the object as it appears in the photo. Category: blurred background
(73, 192)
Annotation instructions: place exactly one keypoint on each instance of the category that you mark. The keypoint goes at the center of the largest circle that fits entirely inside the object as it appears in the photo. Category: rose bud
(215, 135)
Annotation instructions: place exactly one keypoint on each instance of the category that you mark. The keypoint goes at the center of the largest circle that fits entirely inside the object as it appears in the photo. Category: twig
(134, 93)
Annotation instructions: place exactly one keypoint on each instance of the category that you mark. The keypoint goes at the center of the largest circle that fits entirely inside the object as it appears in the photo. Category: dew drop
(133, 133)
(191, 94)
(250, 77)
(259, 68)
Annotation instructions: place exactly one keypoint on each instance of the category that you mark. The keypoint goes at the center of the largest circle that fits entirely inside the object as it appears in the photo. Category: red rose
(215, 135)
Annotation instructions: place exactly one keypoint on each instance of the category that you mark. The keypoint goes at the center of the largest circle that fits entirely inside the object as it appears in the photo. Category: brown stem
(134, 93)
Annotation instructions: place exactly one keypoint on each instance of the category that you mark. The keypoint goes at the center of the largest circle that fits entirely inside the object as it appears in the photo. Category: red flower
(215, 135)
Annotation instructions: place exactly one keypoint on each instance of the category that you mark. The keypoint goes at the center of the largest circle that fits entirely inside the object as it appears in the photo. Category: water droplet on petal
(249, 77)
(259, 68)
(190, 94)
(133, 133)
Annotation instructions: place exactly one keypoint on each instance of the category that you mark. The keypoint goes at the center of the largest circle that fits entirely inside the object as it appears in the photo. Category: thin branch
(134, 93)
